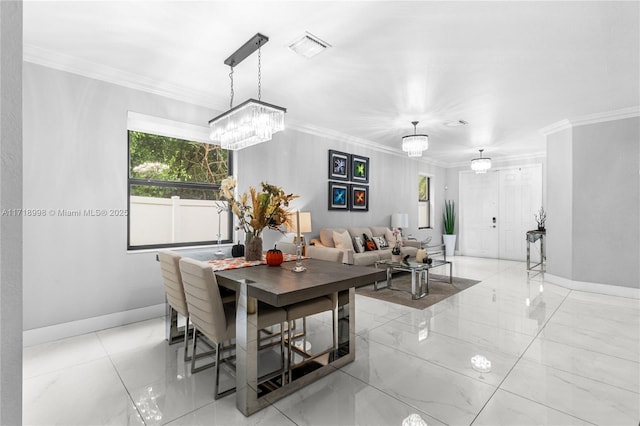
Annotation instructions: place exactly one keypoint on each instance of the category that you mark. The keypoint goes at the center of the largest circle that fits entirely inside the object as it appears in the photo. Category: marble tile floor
(559, 357)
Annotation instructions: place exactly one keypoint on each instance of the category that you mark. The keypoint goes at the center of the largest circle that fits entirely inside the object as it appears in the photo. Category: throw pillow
(358, 245)
(342, 240)
(369, 245)
(391, 240)
(381, 242)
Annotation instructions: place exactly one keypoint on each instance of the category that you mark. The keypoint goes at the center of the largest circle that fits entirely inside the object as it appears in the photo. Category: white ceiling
(508, 68)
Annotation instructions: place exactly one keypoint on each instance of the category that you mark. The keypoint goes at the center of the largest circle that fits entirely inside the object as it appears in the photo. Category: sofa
(346, 241)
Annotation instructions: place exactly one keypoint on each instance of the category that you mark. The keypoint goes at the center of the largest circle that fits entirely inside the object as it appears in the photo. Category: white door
(479, 209)
(520, 199)
(497, 209)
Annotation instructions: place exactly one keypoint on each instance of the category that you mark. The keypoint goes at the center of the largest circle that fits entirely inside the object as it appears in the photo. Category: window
(424, 202)
(174, 192)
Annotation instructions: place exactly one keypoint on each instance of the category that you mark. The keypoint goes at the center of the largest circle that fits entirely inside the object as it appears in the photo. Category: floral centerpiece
(257, 210)
(396, 250)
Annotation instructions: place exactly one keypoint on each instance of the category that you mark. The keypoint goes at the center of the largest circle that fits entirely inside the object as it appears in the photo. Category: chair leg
(186, 341)
(217, 373)
(193, 350)
(289, 353)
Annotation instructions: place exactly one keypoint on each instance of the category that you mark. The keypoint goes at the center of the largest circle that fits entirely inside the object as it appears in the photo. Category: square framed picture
(359, 169)
(338, 196)
(339, 165)
(359, 197)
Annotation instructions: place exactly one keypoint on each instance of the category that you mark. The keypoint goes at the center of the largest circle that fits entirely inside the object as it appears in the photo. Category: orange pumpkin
(274, 257)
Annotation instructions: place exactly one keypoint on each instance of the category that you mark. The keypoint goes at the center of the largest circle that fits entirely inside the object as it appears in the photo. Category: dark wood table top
(280, 286)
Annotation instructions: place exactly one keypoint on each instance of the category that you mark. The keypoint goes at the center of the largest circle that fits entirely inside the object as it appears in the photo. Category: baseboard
(89, 325)
(608, 289)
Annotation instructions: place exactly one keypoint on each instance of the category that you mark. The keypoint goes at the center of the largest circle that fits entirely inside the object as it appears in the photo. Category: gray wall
(594, 203)
(75, 157)
(560, 204)
(298, 162)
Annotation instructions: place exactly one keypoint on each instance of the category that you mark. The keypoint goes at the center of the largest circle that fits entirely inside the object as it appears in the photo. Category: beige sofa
(326, 243)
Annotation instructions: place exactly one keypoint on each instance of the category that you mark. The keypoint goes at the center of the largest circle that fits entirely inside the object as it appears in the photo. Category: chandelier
(253, 121)
(414, 144)
(481, 165)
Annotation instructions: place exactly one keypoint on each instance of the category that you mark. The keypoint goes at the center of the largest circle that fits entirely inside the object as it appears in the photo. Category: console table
(532, 237)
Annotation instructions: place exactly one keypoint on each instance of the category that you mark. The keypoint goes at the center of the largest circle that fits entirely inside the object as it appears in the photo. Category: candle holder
(220, 254)
(299, 267)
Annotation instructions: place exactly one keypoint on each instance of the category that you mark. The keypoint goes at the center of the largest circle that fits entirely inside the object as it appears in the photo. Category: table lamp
(299, 222)
(400, 220)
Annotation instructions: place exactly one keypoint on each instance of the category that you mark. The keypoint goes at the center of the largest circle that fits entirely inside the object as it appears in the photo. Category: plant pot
(396, 258)
(253, 248)
(449, 243)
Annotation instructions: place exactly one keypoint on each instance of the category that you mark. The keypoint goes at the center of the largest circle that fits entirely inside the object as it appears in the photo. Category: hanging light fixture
(481, 165)
(253, 121)
(414, 144)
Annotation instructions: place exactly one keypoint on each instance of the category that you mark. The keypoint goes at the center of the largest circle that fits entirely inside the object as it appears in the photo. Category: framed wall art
(359, 169)
(359, 197)
(339, 165)
(338, 196)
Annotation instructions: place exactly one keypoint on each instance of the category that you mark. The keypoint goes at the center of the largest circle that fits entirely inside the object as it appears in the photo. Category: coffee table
(419, 274)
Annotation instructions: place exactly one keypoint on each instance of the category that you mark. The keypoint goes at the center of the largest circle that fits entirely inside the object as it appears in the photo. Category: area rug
(439, 289)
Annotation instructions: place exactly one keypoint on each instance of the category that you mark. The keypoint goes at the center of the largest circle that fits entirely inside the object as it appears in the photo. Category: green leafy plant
(449, 217)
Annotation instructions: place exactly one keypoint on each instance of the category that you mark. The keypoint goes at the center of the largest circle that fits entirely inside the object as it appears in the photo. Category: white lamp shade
(400, 220)
(305, 223)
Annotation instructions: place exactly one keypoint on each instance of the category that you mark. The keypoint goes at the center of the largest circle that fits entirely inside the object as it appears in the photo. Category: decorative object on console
(339, 165)
(253, 121)
(338, 196)
(359, 198)
(480, 165)
(359, 168)
(414, 144)
(257, 211)
(449, 217)
(421, 255)
(541, 218)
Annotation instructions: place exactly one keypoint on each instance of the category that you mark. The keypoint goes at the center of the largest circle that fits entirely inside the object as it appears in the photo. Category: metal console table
(532, 237)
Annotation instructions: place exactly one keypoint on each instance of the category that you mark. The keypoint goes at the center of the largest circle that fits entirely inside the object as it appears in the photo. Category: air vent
(308, 45)
(455, 123)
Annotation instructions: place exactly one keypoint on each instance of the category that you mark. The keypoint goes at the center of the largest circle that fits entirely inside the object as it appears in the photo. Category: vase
(396, 258)
(253, 248)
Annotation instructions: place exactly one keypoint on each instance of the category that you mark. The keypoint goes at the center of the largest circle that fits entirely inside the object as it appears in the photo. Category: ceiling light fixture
(455, 123)
(308, 45)
(415, 144)
(253, 121)
(481, 165)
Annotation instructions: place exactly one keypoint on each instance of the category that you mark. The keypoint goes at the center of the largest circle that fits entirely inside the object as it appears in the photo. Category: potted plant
(449, 237)
(541, 218)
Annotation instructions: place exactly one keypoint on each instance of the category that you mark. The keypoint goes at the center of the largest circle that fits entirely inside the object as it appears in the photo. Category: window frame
(172, 184)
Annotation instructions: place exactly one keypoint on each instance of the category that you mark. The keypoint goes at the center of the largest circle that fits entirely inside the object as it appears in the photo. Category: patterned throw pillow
(381, 242)
(358, 245)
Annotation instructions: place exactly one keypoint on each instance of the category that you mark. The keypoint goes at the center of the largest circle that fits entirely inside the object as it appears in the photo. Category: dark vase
(253, 248)
(541, 228)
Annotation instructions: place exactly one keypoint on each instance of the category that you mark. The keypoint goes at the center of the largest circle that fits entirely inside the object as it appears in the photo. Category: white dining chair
(215, 320)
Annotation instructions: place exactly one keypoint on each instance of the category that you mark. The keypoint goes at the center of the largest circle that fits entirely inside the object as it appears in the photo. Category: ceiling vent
(455, 123)
(308, 45)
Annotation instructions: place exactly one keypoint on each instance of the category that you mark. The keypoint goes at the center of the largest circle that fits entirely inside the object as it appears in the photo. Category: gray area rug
(439, 289)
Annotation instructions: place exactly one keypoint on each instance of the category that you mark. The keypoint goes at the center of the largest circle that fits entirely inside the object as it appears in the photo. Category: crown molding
(600, 117)
(89, 69)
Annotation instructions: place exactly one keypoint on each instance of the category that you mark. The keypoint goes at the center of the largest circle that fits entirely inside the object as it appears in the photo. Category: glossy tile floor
(558, 357)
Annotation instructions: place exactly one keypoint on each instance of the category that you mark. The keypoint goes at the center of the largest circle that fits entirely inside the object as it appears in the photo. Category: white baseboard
(608, 289)
(88, 325)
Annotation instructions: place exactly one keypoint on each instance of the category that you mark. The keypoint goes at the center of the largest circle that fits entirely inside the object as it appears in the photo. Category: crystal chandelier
(253, 121)
(415, 144)
(481, 165)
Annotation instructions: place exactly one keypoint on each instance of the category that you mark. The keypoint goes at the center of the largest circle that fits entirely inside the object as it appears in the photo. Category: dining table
(280, 286)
